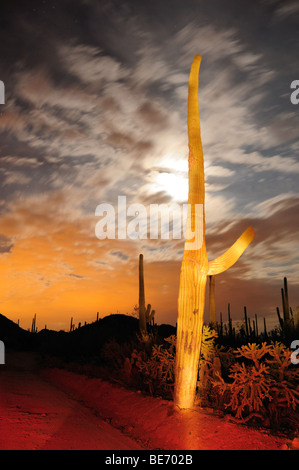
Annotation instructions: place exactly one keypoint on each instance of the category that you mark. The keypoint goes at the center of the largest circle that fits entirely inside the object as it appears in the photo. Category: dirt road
(34, 414)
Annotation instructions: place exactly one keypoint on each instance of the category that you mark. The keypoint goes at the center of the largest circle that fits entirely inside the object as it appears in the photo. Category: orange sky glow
(91, 115)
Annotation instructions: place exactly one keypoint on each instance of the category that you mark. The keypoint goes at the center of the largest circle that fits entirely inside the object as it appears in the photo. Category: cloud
(120, 254)
(90, 64)
(17, 161)
(14, 177)
(77, 276)
(5, 244)
(288, 9)
(274, 245)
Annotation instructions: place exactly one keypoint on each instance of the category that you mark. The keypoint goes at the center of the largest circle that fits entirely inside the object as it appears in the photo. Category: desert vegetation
(244, 373)
(255, 382)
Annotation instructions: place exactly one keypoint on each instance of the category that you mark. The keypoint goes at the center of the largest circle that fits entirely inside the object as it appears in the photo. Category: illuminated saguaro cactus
(195, 265)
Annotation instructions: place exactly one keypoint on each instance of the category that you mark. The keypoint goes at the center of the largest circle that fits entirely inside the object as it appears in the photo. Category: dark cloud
(273, 253)
(120, 254)
(77, 276)
(5, 244)
(151, 115)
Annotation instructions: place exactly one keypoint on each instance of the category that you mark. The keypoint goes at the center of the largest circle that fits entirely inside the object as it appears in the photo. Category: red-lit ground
(55, 409)
(34, 414)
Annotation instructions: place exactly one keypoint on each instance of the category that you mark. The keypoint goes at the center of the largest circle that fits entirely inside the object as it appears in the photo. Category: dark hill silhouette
(165, 330)
(50, 342)
(81, 344)
(14, 336)
(88, 340)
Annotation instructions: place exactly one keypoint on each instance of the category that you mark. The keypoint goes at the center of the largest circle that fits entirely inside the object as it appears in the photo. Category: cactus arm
(230, 256)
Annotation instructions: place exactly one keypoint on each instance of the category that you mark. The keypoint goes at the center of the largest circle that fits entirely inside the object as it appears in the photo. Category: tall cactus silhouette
(212, 307)
(142, 310)
(195, 265)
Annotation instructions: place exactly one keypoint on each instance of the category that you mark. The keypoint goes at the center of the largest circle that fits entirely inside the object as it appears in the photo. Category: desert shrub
(262, 384)
(113, 354)
(284, 387)
(156, 367)
(227, 359)
(208, 366)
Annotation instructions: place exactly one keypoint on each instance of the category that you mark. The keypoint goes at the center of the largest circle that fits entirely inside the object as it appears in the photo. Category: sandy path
(34, 414)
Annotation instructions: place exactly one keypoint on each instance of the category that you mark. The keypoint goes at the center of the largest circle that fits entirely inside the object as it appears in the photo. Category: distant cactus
(230, 325)
(33, 326)
(150, 315)
(265, 328)
(246, 322)
(212, 306)
(279, 318)
(142, 311)
(256, 326)
(285, 300)
(147, 313)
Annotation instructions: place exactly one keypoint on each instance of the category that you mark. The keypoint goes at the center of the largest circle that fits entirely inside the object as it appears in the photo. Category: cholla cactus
(195, 265)
(265, 386)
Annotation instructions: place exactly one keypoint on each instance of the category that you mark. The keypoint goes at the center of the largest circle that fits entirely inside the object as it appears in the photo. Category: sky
(96, 108)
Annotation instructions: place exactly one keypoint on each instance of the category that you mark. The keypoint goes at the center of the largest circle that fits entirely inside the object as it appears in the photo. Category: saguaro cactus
(195, 265)
(33, 326)
(212, 307)
(142, 310)
(285, 300)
